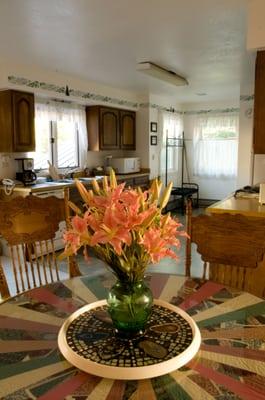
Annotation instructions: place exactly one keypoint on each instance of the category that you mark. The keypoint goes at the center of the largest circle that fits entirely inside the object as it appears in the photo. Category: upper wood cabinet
(109, 137)
(16, 121)
(259, 105)
(127, 129)
(110, 128)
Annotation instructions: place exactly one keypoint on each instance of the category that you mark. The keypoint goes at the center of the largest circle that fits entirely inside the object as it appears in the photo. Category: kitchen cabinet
(140, 180)
(127, 130)
(110, 128)
(132, 180)
(259, 105)
(17, 121)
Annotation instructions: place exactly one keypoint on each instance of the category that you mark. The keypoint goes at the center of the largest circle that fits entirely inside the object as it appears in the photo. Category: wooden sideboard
(254, 278)
(248, 206)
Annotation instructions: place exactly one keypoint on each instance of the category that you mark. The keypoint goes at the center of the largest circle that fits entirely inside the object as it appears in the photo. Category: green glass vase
(129, 306)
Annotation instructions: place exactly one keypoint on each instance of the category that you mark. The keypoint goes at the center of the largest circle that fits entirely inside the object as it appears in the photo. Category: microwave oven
(125, 165)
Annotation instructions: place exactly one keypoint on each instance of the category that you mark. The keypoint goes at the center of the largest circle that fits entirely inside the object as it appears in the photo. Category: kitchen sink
(70, 180)
(55, 183)
(65, 180)
(59, 181)
(89, 179)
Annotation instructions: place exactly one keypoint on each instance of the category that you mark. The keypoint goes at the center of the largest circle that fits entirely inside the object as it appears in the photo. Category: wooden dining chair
(29, 225)
(232, 246)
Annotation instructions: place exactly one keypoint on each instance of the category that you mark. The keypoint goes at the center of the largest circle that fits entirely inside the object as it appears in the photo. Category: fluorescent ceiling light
(158, 72)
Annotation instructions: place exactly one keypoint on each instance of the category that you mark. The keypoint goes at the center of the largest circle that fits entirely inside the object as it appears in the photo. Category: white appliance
(125, 165)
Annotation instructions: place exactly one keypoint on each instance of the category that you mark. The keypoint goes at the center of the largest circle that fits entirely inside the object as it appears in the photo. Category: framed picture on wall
(153, 140)
(153, 126)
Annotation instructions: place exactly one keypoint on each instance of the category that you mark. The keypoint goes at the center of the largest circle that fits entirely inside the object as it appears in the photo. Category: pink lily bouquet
(125, 227)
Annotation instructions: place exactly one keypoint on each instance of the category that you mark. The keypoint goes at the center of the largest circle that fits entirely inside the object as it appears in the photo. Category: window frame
(53, 147)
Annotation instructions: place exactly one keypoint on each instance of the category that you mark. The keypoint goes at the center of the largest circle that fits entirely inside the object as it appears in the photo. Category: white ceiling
(102, 40)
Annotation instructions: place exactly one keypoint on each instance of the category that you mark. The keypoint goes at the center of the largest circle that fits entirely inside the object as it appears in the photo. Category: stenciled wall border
(72, 92)
(160, 108)
(211, 111)
(247, 97)
(115, 101)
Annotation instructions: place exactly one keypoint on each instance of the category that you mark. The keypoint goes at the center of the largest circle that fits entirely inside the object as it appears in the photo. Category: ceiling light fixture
(164, 74)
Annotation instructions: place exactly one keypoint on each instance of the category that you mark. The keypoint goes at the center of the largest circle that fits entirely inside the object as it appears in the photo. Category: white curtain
(216, 146)
(171, 126)
(57, 111)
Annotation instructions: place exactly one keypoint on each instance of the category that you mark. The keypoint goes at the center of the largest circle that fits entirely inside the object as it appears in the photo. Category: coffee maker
(25, 171)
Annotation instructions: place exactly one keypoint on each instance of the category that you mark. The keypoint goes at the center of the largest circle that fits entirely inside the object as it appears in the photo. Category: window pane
(216, 146)
(170, 160)
(219, 133)
(67, 144)
(42, 135)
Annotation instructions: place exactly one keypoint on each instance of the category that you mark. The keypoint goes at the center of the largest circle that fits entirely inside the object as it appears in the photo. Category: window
(61, 136)
(67, 144)
(216, 146)
(43, 143)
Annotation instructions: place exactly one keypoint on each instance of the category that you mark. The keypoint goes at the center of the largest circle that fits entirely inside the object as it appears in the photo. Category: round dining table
(230, 364)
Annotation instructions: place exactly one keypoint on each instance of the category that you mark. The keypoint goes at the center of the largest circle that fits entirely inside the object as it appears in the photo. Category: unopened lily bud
(113, 181)
(155, 190)
(74, 208)
(166, 195)
(82, 190)
(105, 184)
(95, 186)
(158, 187)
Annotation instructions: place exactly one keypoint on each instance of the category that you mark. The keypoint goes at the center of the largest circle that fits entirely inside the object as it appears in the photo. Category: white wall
(251, 168)
(57, 78)
(154, 149)
(142, 143)
(256, 26)
(244, 176)
(156, 103)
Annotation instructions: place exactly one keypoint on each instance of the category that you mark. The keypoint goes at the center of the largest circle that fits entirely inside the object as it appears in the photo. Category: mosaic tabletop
(88, 340)
(229, 366)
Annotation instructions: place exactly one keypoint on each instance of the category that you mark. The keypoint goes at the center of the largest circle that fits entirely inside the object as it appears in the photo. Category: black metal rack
(187, 189)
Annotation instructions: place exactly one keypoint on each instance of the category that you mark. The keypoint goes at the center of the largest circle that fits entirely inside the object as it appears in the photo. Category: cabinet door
(127, 129)
(23, 120)
(129, 182)
(259, 105)
(109, 129)
(142, 181)
(6, 122)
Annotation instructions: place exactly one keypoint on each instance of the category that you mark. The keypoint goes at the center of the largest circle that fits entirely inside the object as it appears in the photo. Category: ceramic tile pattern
(229, 366)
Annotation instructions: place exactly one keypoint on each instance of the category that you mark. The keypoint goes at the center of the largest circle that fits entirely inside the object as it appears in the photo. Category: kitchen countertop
(57, 185)
(238, 205)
